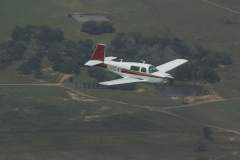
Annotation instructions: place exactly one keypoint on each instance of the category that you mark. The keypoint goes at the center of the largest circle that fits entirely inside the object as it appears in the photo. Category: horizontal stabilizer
(109, 58)
(121, 81)
(93, 62)
(171, 65)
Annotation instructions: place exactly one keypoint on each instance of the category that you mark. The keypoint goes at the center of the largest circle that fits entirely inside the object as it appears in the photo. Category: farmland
(50, 120)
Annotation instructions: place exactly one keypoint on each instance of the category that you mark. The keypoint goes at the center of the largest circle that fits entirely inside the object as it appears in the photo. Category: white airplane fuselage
(123, 69)
(132, 72)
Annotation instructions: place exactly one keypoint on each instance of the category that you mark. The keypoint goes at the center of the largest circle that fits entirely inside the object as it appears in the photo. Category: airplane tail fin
(98, 56)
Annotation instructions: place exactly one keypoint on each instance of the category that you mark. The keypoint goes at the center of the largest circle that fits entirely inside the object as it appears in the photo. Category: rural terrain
(56, 118)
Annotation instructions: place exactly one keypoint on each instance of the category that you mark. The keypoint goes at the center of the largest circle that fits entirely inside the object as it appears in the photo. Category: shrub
(95, 28)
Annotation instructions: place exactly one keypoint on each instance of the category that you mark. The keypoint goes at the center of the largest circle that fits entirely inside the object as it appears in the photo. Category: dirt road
(164, 110)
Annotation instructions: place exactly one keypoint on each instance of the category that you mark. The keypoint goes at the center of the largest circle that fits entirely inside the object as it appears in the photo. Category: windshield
(152, 69)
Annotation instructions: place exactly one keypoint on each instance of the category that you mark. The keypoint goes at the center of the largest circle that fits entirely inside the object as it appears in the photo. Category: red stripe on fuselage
(131, 72)
(138, 73)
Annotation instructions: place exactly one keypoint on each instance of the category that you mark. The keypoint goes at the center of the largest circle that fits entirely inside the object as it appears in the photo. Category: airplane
(132, 72)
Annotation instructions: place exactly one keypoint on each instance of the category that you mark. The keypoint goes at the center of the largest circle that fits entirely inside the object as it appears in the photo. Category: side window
(135, 68)
(143, 70)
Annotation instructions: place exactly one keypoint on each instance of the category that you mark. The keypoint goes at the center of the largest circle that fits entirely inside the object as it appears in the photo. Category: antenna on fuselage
(143, 61)
(121, 60)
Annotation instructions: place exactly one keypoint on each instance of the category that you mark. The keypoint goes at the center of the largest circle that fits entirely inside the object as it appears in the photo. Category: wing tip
(103, 83)
(182, 60)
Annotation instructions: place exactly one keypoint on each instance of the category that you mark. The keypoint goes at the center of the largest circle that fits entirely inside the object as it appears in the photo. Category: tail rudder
(99, 52)
(97, 56)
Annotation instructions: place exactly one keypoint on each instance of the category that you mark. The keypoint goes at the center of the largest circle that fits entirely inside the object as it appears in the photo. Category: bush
(95, 28)
(31, 44)
(163, 48)
(66, 65)
(207, 133)
(32, 65)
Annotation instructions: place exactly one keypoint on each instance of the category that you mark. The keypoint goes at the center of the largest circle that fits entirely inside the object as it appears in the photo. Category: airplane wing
(171, 65)
(121, 81)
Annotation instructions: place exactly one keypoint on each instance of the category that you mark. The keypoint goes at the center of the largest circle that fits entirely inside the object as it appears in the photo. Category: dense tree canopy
(160, 49)
(93, 27)
(33, 43)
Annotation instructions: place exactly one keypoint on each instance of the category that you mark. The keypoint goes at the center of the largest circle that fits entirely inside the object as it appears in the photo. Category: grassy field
(43, 122)
(11, 75)
(151, 97)
(195, 20)
(225, 114)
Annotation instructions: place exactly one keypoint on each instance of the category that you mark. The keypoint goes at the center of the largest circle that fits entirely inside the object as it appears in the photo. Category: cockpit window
(152, 69)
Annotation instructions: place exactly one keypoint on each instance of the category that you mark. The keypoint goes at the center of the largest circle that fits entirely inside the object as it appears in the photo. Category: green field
(45, 123)
(224, 114)
(53, 122)
(11, 75)
(194, 20)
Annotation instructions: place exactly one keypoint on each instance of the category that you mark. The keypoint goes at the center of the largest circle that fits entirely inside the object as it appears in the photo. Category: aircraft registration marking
(114, 68)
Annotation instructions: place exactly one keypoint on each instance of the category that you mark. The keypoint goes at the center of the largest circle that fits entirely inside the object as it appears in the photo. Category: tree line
(97, 28)
(35, 46)
(166, 47)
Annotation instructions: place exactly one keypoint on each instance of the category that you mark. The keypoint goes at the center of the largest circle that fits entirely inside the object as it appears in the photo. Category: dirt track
(77, 95)
(221, 6)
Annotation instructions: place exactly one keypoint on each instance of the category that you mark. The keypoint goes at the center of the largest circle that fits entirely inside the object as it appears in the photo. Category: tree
(5, 58)
(32, 65)
(97, 73)
(32, 43)
(95, 28)
(66, 65)
(163, 48)
(202, 146)
(20, 34)
(16, 49)
(45, 34)
(106, 27)
(207, 133)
